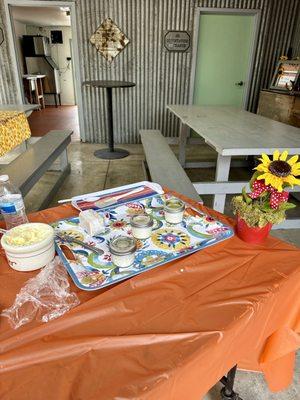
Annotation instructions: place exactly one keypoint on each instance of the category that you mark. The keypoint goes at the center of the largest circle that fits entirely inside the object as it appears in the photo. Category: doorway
(41, 34)
(224, 45)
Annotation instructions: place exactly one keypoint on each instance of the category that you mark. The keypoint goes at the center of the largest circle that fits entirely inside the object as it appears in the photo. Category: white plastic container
(122, 249)
(141, 226)
(174, 209)
(33, 256)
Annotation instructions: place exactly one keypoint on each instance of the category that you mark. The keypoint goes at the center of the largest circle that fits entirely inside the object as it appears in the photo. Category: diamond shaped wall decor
(109, 40)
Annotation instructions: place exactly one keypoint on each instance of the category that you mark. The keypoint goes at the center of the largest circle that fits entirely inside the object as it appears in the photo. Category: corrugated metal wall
(161, 78)
(7, 81)
(296, 35)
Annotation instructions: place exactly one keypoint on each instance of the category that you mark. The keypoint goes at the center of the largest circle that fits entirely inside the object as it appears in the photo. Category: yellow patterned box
(14, 130)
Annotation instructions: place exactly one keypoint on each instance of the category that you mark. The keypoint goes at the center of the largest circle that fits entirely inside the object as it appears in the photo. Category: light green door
(223, 59)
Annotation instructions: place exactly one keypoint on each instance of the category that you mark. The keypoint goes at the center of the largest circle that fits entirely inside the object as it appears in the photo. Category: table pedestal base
(232, 396)
(107, 154)
(227, 392)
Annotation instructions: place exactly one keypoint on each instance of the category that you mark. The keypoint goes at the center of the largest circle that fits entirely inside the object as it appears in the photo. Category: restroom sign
(177, 41)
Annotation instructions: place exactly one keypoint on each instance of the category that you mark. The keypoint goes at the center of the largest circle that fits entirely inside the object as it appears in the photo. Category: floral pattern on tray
(90, 271)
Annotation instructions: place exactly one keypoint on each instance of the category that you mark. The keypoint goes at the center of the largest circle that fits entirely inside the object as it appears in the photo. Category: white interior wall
(20, 30)
(59, 53)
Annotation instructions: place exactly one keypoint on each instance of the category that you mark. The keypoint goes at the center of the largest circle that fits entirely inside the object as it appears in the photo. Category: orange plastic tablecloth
(170, 333)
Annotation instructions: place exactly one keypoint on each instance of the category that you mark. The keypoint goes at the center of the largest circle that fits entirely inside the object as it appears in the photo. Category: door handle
(240, 83)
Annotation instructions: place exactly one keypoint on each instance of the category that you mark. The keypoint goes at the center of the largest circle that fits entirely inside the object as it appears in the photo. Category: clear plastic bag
(44, 297)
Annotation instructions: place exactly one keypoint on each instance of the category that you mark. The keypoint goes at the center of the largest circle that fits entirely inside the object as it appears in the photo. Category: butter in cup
(29, 246)
(141, 226)
(173, 210)
(122, 249)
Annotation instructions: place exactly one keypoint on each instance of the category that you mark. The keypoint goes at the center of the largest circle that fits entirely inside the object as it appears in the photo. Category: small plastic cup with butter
(122, 249)
(141, 225)
(174, 210)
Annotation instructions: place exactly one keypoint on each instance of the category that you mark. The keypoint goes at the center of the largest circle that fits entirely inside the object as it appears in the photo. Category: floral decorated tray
(167, 242)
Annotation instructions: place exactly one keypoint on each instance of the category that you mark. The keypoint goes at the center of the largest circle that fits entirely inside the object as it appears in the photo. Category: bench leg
(65, 169)
(63, 159)
(183, 134)
(222, 175)
(24, 146)
(55, 188)
(61, 163)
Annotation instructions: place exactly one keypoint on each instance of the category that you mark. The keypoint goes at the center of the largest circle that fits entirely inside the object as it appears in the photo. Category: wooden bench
(28, 168)
(164, 168)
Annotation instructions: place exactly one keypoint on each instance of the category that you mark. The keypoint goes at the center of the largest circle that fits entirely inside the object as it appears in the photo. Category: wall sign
(109, 40)
(177, 41)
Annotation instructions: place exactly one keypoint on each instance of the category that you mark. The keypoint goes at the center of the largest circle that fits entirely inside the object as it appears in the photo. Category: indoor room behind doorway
(43, 42)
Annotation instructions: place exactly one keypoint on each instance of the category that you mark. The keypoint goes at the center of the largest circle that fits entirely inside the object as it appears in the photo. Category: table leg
(110, 120)
(227, 391)
(222, 175)
(111, 153)
(41, 91)
(30, 95)
(183, 134)
(37, 94)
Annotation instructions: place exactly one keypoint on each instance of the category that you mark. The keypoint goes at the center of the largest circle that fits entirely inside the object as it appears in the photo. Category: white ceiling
(41, 16)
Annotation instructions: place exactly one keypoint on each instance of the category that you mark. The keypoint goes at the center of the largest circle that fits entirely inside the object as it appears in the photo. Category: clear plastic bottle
(11, 203)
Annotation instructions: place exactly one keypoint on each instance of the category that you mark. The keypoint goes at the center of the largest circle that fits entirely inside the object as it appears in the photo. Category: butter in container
(92, 222)
(174, 209)
(122, 249)
(141, 226)
(29, 246)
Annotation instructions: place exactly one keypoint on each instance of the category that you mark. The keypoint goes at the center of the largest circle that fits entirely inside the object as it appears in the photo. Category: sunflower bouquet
(267, 202)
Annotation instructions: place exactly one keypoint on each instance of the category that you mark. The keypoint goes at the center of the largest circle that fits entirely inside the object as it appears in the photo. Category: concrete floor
(89, 174)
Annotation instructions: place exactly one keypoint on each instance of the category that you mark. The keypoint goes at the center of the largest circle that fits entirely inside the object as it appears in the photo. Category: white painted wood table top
(231, 131)
(33, 76)
(19, 107)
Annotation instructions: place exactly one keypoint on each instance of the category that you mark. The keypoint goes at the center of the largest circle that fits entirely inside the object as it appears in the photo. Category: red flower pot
(251, 234)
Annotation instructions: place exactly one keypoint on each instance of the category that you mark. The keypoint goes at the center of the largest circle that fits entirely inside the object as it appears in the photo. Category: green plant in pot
(267, 203)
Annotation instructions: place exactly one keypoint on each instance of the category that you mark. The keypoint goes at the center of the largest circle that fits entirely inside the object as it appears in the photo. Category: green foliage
(246, 198)
(287, 206)
(258, 213)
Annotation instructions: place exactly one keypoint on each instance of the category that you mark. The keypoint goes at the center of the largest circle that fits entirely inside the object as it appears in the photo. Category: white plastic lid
(4, 178)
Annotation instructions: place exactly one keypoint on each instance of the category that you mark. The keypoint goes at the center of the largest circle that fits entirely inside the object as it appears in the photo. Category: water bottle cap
(4, 178)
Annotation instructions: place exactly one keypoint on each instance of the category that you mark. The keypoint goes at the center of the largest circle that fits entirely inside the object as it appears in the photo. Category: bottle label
(12, 205)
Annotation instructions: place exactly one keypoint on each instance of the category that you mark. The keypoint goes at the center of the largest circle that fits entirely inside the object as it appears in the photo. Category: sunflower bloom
(280, 171)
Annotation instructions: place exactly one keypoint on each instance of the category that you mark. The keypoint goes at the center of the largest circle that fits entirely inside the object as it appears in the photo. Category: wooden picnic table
(14, 127)
(233, 132)
(25, 108)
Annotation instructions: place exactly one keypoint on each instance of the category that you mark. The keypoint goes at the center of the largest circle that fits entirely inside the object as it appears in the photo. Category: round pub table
(111, 152)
